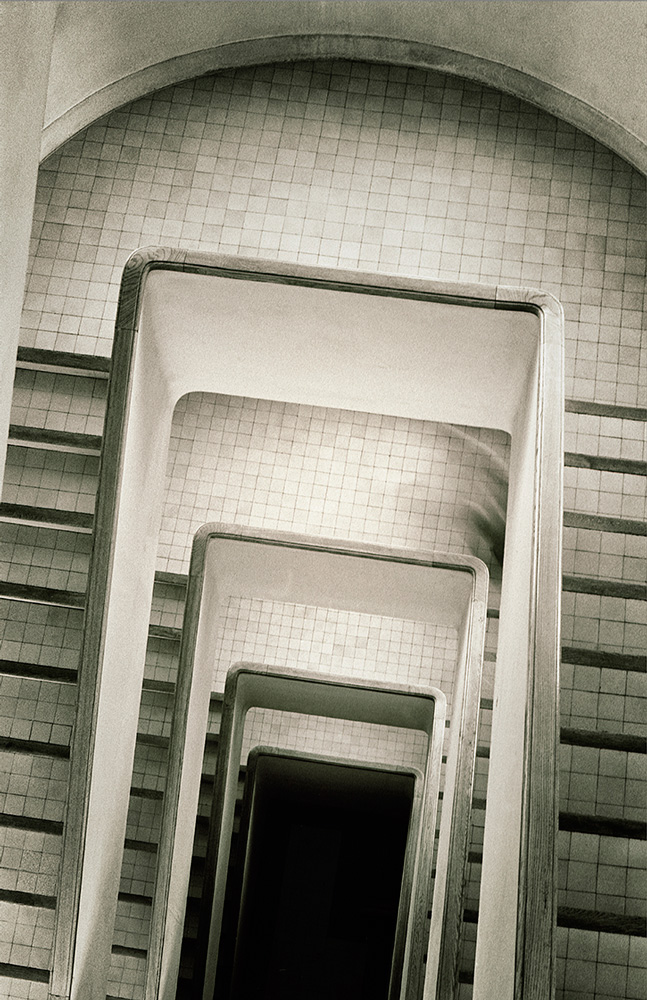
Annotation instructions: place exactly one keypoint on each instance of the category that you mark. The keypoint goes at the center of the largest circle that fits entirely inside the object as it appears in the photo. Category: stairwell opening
(316, 881)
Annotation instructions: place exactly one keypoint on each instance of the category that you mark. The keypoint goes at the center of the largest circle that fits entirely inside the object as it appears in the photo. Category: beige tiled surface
(611, 437)
(348, 165)
(596, 698)
(606, 874)
(388, 170)
(32, 785)
(37, 710)
(600, 966)
(21, 989)
(326, 472)
(44, 557)
(605, 555)
(42, 478)
(39, 633)
(345, 643)
(126, 977)
(605, 783)
(29, 861)
(27, 935)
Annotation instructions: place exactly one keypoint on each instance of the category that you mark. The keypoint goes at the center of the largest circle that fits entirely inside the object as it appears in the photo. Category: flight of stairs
(45, 544)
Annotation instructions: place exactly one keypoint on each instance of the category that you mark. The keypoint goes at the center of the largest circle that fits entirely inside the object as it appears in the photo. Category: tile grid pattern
(307, 163)
(348, 165)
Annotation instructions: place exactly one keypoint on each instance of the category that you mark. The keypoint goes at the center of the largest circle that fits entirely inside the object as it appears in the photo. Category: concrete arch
(79, 92)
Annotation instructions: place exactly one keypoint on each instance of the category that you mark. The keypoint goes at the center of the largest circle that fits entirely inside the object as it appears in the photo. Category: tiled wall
(331, 473)
(610, 436)
(358, 166)
(58, 402)
(600, 966)
(349, 165)
(40, 633)
(345, 643)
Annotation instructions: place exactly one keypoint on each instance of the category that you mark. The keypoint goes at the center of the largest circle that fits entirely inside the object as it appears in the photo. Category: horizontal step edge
(614, 410)
(42, 595)
(601, 463)
(612, 923)
(602, 522)
(22, 434)
(39, 748)
(604, 588)
(10, 971)
(602, 826)
(38, 671)
(35, 823)
(28, 898)
(584, 657)
(603, 740)
(46, 516)
(64, 359)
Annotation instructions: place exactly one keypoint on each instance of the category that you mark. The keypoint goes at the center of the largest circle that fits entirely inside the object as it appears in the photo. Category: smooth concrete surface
(579, 60)
(413, 361)
(26, 33)
(165, 366)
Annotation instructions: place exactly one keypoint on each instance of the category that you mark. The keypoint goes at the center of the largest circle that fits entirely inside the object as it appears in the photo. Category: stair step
(38, 671)
(604, 588)
(42, 595)
(28, 899)
(37, 748)
(624, 466)
(603, 741)
(602, 826)
(610, 923)
(613, 410)
(11, 971)
(50, 439)
(63, 362)
(602, 522)
(36, 824)
(47, 517)
(600, 658)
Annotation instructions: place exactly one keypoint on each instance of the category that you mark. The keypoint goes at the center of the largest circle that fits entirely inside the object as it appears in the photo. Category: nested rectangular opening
(317, 895)
(468, 355)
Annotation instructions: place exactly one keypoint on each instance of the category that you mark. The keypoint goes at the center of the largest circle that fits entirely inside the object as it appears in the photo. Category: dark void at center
(314, 895)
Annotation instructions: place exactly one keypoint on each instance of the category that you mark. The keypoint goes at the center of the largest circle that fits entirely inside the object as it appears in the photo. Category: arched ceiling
(583, 61)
